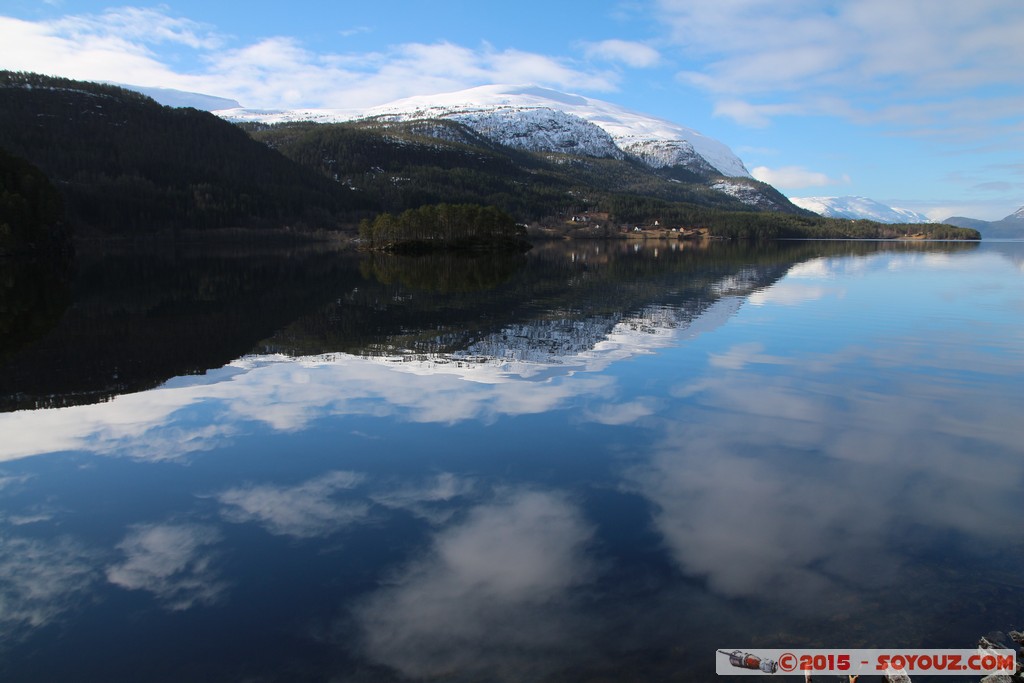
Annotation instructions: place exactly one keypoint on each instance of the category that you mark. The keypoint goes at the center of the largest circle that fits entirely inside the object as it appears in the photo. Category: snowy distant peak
(858, 208)
(539, 116)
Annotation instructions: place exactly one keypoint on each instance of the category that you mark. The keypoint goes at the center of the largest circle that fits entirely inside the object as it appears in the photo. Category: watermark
(761, 662)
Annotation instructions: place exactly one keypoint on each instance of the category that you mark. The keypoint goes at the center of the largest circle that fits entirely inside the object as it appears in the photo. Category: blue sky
(915, 103)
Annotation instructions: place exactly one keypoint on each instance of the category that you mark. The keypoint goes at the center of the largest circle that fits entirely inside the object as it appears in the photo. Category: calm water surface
(596, 462)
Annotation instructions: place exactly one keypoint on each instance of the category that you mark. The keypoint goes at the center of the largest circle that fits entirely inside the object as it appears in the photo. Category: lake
(592, 462)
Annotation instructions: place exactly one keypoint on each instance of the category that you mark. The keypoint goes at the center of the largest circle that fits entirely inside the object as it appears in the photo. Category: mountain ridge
(656, 142)
(123, 164)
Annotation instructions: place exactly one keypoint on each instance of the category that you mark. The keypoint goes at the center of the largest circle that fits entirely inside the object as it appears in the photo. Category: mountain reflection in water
(592, 462)
(139, 318)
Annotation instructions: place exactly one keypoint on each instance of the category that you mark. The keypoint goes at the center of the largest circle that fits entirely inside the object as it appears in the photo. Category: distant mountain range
(858, 208)
(862, 208)
(1011, 227)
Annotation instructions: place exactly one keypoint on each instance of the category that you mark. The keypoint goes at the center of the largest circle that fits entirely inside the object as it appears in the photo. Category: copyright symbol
(787, 661)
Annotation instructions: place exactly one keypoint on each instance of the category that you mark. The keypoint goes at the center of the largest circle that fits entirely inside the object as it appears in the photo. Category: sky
(918, 104)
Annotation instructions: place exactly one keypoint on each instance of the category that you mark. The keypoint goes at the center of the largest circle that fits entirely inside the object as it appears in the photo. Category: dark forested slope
(124, 163)
(404, 165)
(31, 215)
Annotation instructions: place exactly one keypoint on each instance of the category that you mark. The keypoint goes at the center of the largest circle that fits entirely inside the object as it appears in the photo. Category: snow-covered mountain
(180, 98)
(536, 130)
(539, 119)
(857, 208)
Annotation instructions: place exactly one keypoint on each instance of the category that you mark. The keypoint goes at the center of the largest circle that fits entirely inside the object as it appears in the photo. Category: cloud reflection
(147, 425)
(175, 562)
(521, 370)
(489, 598)
(431, 500)
(822, 481)
(791, 294)
(621, 413)
(306, 510)
(836, 267)
(40, 580)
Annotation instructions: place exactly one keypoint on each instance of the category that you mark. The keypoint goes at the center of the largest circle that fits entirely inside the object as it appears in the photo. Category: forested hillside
(402, 168)
(31, 215)
(124, 163)
(775, 225)
(444, 227)
(405, 165)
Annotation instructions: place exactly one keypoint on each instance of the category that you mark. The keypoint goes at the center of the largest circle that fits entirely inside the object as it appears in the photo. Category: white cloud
(795, 177)
(146, 26)
(896, 60)
(516, 66)
(45, 48)
(761, 115)
(172, 561)
(277, 71)
(764, 46)
(307, 510)
(754, 115)
(354, 31)
(630, 53)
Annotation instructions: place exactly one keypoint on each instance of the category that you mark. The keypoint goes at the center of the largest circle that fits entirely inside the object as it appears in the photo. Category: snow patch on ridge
(170, 97)
(748, 194)
(271, 116)
(537, 130)
(662, 153)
